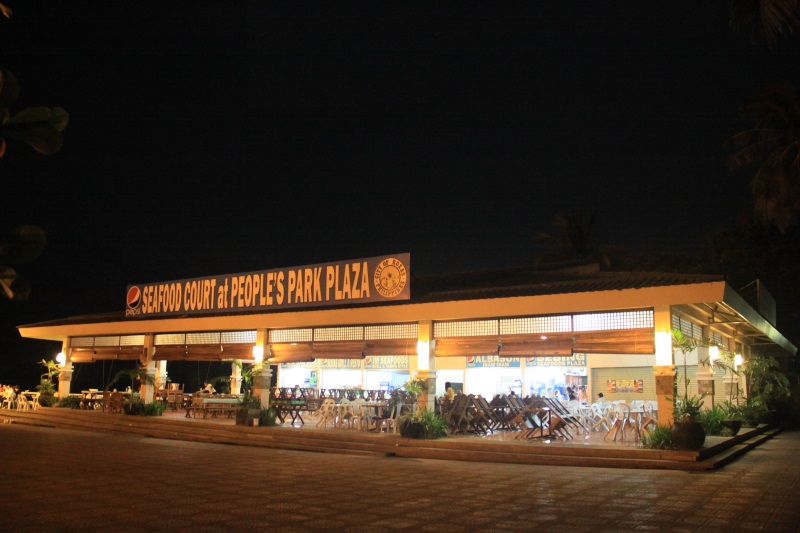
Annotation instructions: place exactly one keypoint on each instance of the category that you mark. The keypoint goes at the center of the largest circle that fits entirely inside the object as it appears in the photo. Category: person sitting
(449, 392)
(208, 388)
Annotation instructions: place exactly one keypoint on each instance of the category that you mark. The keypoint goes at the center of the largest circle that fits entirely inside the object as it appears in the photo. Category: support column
(65, 374)
(236, 379)
(426, 365)
(262, 377)
(147, 383)
(705, 378)
(261, 384)
(147, 386)
(161, 375)
(664, 369)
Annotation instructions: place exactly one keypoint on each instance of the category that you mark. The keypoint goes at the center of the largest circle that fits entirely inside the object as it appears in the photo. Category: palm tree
(20, 245)
(133, 374)
(572, 240)
(772, 145)
(763, 21)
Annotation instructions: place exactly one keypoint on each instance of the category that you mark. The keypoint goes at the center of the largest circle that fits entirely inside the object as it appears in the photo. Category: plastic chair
(622, 421)
(9, 400)
(23, 404)
(327, 413)
(359, 414)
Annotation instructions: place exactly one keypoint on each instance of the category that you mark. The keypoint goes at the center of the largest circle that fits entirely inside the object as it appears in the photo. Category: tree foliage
(19, 245)
(771, 146)
(763, 22)
(39, 127)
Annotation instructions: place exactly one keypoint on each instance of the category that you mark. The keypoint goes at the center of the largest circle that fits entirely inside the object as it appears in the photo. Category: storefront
(360, 324)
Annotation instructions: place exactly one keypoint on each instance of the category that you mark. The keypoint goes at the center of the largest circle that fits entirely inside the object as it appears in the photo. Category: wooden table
(212, 406)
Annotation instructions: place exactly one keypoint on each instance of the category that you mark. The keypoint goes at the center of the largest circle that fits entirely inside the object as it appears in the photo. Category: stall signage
(479, 361)
(373, 279)
(387, 362)
(625, 385)
(340, 363)
(300, 364)
(579, 359)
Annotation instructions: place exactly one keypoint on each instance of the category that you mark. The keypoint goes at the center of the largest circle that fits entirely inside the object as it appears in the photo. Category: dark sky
(206, 138)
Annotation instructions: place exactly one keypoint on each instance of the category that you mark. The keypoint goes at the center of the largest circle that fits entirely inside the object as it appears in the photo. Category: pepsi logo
(470, 359)
(134, 297)
(368, 361)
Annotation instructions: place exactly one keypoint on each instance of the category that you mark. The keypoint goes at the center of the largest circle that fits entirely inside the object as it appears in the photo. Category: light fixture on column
(61, 359)
(663, 348)
(738, 360)
(258, 353)
(423, 355)
(713, 354)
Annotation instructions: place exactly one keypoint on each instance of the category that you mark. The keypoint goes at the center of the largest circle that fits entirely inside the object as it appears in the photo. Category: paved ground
(58, 480)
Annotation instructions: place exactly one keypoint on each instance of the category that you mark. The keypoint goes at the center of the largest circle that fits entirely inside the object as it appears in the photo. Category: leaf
(39, 127)
(22, 244)
(9, 88)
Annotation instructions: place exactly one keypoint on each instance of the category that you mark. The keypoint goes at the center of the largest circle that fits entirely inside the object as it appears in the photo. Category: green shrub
(267, 417)
(754, 413)
(70, 402)
(137, 407)
(422, 424)
(660, 438)
(712, 420)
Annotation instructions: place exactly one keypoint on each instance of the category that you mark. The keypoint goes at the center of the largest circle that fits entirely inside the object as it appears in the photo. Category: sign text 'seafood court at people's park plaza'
(373, 279)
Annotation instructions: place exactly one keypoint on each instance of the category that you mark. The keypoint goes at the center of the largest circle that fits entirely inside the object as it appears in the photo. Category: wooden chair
(115, 402)
(389, 423)
(457, 417)
(530, 420)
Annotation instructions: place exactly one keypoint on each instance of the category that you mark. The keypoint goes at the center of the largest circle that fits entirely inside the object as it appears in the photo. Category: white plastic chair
(327, 412)
(622, 422)
(359, 420)
(9, 400)
(23, 404)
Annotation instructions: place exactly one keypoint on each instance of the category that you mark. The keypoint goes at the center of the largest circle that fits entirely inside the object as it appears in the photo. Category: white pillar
(236, 379)
(65, 375)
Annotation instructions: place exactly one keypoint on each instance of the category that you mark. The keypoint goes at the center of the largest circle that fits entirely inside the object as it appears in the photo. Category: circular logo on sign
(134, 297)
(390, 277)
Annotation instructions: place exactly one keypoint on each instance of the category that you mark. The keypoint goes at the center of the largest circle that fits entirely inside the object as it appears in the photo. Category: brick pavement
(66, 480)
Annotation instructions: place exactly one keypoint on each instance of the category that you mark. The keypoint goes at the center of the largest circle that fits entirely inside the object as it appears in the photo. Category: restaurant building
(369, 323)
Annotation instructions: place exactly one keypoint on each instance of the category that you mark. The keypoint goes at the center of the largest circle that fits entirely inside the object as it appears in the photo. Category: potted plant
(46, 386)
(687, 429)
(249, 409)
(733, 418)
(422, 424)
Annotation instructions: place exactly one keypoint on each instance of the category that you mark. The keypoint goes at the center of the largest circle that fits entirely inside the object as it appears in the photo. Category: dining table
(91, 399)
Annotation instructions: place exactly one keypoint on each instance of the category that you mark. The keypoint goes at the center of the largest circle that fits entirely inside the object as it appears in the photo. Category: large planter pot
(412, 430)
(688, 435)
(245, 417)
(733, 425)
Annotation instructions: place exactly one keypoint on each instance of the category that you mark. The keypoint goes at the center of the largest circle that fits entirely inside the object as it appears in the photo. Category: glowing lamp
(423, 355)
(61, 359)
(713, 354)
(258, 353)
(663, 348)
(738, 360)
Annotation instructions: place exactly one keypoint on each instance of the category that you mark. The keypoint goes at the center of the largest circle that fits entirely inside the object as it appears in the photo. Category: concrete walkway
(73, 480)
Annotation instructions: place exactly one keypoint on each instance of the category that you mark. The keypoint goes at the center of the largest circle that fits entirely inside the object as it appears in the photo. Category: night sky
(208, 139)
